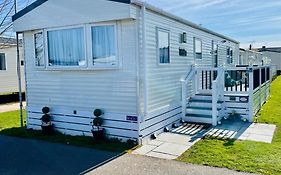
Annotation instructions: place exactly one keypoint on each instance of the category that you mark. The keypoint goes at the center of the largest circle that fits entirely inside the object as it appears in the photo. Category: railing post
(183, 98)
(194, 82)
(251, 95)
(214, 104)
(260, 88)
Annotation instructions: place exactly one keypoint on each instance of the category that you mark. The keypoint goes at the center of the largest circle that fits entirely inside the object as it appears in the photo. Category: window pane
(104, 45)
(163, 47)
(66, 47)
(39, 49)
(2, 61)
(198, 48)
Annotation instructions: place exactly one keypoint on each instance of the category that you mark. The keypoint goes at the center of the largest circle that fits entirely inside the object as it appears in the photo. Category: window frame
(90, 46)
(230, 55)
(34, 49)
(59, 67)
(194, 48)
(157, 46)
(6, 64)
(215, 54)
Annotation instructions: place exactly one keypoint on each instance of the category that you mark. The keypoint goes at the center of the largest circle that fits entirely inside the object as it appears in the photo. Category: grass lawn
(246, 156)
(10, 125)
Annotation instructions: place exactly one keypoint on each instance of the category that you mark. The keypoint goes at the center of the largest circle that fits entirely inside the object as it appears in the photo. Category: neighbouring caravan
(274, 54)
(251, 57)
(8, 66)
(126, 57)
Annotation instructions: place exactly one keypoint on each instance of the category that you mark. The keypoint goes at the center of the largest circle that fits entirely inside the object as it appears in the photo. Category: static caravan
(274, 54)
(251, 57)
(128, 58)
(8, 66)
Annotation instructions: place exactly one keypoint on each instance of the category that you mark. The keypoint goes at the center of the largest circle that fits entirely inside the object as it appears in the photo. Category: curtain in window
(39, 49)
(104, 45)
(66, 47)
(2, 61)
(163, 47)
(164, 55)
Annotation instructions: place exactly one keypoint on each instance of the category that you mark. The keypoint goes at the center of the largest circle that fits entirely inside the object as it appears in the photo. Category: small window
(229, 55)
(66, 47)
(216, 54)
(163, 46)
(104, 45)
(2, 62)
(39, 49)
(198, 48)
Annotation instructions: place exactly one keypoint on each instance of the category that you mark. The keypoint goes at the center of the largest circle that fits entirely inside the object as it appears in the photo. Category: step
(198, 119)
(199, 111)
(201, 97)
(195, 104)
(202, 101)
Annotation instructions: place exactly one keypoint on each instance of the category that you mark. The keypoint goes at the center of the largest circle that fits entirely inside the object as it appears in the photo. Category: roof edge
(28, 9)
(40, 2)
(179, 19)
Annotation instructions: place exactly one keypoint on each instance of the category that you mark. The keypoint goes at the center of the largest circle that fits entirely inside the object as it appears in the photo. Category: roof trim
(40, 2)
(179, 19)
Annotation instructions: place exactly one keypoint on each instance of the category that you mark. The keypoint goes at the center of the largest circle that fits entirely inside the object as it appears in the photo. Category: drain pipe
(18, 70)
(19, 79)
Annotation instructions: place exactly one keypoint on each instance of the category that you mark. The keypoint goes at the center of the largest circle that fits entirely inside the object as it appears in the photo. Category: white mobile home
(128, 58)
(274, 54)
(8, 66)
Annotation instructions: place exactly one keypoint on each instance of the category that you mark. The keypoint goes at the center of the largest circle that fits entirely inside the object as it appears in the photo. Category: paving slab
(172, 149)
(260, 138)
(144, 149)
(11, 107)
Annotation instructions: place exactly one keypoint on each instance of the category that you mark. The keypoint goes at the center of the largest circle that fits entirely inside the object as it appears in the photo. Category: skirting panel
(115, 125)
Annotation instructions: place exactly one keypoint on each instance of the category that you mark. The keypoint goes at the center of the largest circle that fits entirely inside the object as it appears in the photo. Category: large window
(163, 45)
(104, 45)
(66, 47)
(39, 49)
(2, 62)
(198, 48)
(229, 55)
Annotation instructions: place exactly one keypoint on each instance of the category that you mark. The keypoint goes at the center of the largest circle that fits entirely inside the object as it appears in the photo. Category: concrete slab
(172, 149)
(155, 142)
(176, 138)
(260, 138)
(144, 149)
(161, 155)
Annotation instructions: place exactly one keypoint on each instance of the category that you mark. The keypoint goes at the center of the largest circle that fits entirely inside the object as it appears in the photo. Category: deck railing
(253, 82)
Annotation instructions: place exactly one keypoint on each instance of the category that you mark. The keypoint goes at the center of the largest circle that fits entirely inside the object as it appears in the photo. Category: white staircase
(199, 109)
(205, 105)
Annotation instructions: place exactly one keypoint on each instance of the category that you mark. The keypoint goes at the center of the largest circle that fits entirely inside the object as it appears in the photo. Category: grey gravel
(130, 164)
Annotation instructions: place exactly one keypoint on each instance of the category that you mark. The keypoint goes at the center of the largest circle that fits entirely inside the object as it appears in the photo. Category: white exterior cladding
(8, 77)
(139, 87)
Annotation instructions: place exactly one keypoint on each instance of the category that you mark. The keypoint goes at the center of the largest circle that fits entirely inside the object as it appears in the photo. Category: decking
(210, 94)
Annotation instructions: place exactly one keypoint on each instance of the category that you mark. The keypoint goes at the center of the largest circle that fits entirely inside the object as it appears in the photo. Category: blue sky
(256, 22)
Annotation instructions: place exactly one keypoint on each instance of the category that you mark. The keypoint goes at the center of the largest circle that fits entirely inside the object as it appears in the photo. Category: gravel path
(139, 165)
(10, 107)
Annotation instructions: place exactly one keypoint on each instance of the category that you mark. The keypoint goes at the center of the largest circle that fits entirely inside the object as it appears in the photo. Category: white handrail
(184, 82)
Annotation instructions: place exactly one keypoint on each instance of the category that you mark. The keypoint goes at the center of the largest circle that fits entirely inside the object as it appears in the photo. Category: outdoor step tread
(201, 108)
(198, 116)
(202, 101)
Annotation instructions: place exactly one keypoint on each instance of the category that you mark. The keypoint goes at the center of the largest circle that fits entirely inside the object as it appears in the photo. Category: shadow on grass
(82, 141)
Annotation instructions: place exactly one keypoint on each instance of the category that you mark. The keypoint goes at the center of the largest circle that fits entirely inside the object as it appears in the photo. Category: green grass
(10, 126)
(245, 156)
